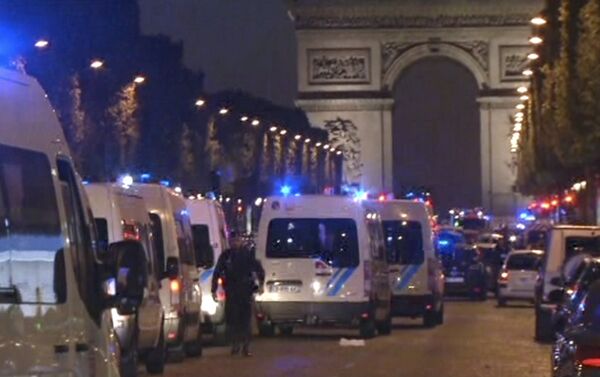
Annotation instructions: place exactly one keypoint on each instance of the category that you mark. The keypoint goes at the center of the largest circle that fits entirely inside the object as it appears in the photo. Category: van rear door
(313, 259)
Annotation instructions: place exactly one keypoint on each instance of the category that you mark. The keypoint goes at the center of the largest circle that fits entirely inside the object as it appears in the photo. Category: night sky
(238, 44)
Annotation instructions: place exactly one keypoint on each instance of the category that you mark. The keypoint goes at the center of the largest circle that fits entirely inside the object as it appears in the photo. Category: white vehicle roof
(200, 209)
(26, 116)
(312, 206)
(526, 251)
(398, 209)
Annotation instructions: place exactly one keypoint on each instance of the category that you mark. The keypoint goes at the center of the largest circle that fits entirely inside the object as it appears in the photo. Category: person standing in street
(242, 276)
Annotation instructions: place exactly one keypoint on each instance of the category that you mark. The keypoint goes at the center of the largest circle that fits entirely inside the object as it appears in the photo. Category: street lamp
(96, 64)
(244, 118)
(255, 122)
(518, 127)
(318, 144)
(282, 132)
(307, 140)
(520, 106)
(533, 56)
(522, 89)
(223, 111)
(139, 79)
(41, 43)
(535, 40)
(200, 102)
(338, 153)
(538, 21)
(297, 137)
(527, 72)
(524, 97)
(273, 129)
(326, 146)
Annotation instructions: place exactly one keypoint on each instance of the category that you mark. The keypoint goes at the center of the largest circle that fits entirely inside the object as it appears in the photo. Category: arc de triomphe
(419, 92)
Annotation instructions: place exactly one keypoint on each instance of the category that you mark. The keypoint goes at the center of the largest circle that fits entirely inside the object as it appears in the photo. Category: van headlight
(209, 306)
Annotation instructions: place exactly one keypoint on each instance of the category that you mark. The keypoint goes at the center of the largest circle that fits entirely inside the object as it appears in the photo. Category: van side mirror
(556, 296)
(172, 268)
(558, 281)
(127, 276)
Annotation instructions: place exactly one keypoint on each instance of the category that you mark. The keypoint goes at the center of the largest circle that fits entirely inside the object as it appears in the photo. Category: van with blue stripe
(325, 265)
(415, 272)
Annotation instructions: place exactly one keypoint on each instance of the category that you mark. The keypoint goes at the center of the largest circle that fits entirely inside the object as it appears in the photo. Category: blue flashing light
(523, 215)
(126, 180)
(85, 182)
(297, 194)
(361, 195)
(410, 194)
(145, 177)
(444, 242)
(165, 182)
(285, 190)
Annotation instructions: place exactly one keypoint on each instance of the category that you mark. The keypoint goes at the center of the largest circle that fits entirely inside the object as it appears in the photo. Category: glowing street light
(332, 149)
(527, 72)
(200, 102)
(282, 132)
(307, 140)
(244, 118)
(538, 21)
(297, 137)
(535, 40)
(522, 89)
(96, 64)
(318, 144)
(524, 97)
(338, 153)
(223, 111)
(139, 79)
(518, 127)
(326, 146)
(533, 56)
(273, 129)
(255, 122)
(519, 115)
(520, 106)
(41, 43)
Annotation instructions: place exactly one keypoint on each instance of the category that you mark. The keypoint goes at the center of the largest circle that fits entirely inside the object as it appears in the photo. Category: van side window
(376, 240)
(185, 249)
(81, 239)
(31, 243)
(159, 246)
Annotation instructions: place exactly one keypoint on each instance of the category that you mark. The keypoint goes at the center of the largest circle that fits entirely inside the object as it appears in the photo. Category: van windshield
(528, 262)
(582, 245)
(31, 244)
(403, 242)
(334, 241)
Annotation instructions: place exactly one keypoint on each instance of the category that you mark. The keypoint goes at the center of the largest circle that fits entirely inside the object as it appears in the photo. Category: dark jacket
(240, 271)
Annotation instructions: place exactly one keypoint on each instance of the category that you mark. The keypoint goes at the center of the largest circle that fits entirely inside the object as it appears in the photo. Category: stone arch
(414, 54)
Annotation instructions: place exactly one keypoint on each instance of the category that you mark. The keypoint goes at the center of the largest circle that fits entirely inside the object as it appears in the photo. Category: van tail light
(588, 356)
(175, 290)
(220, 289)
(130, 231)
(368, 274)
(175, 286)
(503, 277)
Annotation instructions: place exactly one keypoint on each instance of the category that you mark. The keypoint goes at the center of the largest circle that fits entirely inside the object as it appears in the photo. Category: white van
(180, 292)
(325, 264)
(210, 237)
(121, 214)
(54, 316)
(565, 242)
(416, 273)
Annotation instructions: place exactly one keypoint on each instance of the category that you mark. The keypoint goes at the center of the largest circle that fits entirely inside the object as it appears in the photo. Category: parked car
(464, 271)
(566, 242)
(518, 276)
(121, 214)
(576, 351)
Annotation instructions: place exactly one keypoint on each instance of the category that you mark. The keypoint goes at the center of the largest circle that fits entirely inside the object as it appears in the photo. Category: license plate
(457, 279)
(284, 288)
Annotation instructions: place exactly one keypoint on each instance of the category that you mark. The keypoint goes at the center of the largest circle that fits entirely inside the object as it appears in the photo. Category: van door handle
(81, 347)
(61, 348)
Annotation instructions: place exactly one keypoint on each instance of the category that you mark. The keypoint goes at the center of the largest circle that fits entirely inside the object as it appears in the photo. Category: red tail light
(220, 289)
(130, 231)
(588, 356)
(503, 276)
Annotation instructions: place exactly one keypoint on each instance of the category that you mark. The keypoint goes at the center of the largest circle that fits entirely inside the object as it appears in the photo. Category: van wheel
(543, 326)
(194, 348)
(385, 327)
(266, 329)
(429, 319)
(367, 329)
(220, 335)
(439, 315)
(286, 330)
(129, 358)
(176, 354)
(155, 359)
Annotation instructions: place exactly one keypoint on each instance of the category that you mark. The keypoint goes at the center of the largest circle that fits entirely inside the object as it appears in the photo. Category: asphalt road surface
(477, 339)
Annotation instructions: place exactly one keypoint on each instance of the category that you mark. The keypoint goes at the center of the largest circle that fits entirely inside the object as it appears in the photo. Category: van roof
(315, 206)
(527, 251)
(398, 208)
(576, 227)
(27, 118)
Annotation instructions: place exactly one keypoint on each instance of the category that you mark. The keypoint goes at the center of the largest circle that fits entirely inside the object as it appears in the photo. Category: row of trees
(561, 130)
(115, 125)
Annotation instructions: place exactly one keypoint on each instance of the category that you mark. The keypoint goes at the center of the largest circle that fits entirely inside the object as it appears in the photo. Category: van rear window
(582, 245)
(403, 242)
(334, 241)
(31, 243)
(528, 262)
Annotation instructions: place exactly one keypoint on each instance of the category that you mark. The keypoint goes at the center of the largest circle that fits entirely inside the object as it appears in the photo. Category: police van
(121, 214)
(325, 264)
(416, 274)
(210, 239)
(180, 292)
(56, 286)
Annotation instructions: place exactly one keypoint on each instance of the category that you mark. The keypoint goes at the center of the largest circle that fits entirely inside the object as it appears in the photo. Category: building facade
(418, 93)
